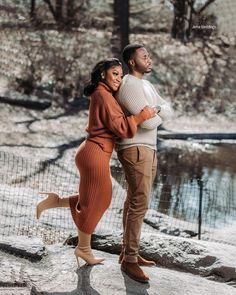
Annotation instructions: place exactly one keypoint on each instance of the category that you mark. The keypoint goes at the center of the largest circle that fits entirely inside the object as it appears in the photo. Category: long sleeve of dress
(114, 118)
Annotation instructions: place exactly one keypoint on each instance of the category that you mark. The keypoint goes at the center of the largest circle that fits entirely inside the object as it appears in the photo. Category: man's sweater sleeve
(132, 98)
(166, 112)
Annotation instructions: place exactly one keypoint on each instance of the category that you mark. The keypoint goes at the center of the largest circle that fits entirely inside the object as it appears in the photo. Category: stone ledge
(197, 136)
(22, 246)
(58, 274)
(197, 257)
(14, 291)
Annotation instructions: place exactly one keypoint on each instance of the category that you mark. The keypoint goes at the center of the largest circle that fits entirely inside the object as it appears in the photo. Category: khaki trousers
(140, 165)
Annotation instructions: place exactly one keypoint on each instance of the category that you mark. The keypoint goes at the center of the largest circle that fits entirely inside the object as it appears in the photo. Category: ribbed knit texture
(95, 188)
(106, 122)
(134, 94)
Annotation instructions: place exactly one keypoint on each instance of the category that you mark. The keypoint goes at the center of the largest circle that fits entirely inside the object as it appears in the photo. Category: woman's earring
(102, 76)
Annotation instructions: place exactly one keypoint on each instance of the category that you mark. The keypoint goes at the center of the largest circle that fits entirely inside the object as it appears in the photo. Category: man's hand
(158, 108)
(146, 113)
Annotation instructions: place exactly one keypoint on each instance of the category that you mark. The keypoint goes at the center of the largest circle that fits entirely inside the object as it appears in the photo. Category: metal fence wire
(192, 209)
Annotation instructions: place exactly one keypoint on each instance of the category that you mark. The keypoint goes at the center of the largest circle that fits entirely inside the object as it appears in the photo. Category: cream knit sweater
(133, 95)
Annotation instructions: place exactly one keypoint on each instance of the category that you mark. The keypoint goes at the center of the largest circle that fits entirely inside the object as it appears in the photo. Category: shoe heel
(88, 258)
(77, 258)
(51, 201)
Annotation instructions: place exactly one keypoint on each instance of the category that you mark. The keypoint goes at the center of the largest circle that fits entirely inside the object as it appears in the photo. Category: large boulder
(22, 246)
(198, 257)
(58, 274)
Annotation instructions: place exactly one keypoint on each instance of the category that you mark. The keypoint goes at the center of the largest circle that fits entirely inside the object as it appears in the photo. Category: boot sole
(143, 264)
(134, 278)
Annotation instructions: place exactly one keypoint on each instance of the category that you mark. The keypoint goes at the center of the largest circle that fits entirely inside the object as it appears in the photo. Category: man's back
(138, 155)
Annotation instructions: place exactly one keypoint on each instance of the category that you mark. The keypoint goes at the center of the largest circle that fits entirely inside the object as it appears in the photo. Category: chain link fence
(186, 208)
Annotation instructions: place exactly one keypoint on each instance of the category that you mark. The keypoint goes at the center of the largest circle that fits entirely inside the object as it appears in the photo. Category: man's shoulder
(130, 81)
(149, 84)
(145, 81)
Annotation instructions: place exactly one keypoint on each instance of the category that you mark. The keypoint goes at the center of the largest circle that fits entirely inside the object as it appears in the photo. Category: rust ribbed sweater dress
(106, 122)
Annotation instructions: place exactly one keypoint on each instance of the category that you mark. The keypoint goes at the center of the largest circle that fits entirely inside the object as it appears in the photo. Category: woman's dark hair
(95, 78)
(129, 50)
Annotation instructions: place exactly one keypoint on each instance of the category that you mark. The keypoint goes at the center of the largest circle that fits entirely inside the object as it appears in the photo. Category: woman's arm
(132, 98)
(115, 120)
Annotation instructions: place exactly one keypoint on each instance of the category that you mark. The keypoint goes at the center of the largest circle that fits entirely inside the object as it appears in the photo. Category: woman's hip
(90, 155)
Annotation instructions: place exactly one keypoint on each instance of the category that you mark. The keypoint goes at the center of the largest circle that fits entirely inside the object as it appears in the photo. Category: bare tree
(184, 10)
(64, 12)
(120, 35)
(32, 10)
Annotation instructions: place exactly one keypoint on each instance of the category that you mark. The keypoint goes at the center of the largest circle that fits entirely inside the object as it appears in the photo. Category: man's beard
(142, 69)
(148, 71)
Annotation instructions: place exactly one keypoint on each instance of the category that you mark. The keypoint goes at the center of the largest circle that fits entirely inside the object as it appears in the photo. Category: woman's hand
(146, 113)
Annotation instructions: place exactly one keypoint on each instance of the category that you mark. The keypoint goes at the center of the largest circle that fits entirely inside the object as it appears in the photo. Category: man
(138, 155)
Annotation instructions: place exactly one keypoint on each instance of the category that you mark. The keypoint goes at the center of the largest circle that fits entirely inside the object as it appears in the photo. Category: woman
(106, 122)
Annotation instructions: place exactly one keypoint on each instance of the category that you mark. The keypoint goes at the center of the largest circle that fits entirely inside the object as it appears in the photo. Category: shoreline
(200, 123)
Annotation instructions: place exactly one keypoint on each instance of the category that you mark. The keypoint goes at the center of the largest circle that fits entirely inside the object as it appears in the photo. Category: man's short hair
(129, 50)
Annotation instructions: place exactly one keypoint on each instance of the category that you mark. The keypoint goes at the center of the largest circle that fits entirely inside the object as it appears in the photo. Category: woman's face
(113, 77)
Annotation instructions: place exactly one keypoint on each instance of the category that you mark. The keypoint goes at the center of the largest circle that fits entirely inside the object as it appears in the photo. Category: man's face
(142, 61)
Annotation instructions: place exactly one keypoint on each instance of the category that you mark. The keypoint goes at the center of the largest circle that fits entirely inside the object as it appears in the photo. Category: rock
(226, 40)
(27, 101)
(215, 49)
(111, 242)
(59, 275)
(14, 291)
(22, 246)
(161, 222)
(197, 257)
(202, 136)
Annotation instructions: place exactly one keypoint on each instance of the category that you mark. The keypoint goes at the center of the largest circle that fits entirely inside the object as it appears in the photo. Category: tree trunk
(32, 10)
(183, 17)
(190, 18)
(120, 35)
(178, 26)
(59, 11)
(70, 11)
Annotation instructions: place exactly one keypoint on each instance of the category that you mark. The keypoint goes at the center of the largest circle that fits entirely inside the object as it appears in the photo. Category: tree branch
(191, 4)
(204, 6)
(160, 6)
(51, 8)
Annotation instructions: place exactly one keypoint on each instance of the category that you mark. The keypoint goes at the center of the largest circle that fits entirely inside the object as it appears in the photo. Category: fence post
(200, 185)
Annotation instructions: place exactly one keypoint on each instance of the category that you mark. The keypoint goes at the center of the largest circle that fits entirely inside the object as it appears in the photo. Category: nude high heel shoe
(51, 201)
(86, 254)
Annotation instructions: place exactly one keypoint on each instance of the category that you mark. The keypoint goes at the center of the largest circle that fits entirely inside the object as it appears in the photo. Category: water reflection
(184, 167)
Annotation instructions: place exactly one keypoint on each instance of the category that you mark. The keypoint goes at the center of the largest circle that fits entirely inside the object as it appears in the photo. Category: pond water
(190, 170)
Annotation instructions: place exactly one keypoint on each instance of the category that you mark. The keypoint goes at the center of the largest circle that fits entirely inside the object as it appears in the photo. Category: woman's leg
(84, 251)
(95, 189)
(95, 186)
(53, 201)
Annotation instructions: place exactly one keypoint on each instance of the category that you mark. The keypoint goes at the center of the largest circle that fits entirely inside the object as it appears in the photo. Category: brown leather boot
(133, 270)
(141, 261)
